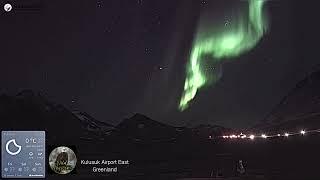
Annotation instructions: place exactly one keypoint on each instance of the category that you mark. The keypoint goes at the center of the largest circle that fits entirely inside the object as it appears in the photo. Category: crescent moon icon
(15, 144)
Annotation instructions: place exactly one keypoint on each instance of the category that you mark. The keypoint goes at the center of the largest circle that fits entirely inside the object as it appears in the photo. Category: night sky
(113, 58)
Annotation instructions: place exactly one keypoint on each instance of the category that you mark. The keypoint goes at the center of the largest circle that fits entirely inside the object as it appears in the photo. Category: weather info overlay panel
(23, 154)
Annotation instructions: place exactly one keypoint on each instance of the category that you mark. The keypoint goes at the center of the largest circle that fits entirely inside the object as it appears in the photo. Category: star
(99, 4)
(227, 23)
(147, 50)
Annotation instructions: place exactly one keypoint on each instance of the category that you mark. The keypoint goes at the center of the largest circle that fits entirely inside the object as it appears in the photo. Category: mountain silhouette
(29, 111)
(299, 109)
(141, 128)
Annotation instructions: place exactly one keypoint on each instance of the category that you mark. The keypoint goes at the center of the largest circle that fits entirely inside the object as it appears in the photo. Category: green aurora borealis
(243, 35)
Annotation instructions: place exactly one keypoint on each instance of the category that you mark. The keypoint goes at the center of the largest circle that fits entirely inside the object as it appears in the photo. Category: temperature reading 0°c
(31, 140)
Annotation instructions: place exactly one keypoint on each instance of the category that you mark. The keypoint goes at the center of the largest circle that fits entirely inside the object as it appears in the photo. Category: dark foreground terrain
(159, 151)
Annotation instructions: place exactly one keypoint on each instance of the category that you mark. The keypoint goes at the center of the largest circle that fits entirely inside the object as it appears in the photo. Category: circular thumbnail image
(62, 160)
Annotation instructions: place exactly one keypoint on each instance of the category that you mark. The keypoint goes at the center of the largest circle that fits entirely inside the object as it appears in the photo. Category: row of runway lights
(265, 136)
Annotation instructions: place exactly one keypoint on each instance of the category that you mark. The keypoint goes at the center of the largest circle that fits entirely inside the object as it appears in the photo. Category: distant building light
(286, 134)
(302, 132)
(233, 136)
(264, 136)
(279, 135)
(251, 137)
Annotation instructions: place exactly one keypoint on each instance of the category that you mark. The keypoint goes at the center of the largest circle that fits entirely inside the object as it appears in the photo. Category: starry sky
(113, 58)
